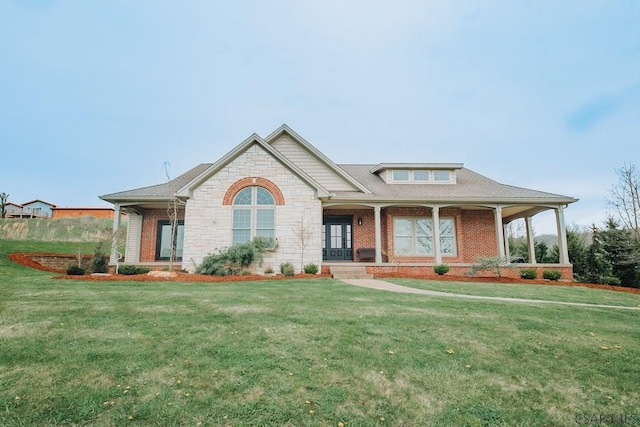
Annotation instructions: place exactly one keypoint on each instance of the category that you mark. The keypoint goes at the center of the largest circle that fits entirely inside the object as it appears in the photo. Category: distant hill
(552, 239)
(84, 229)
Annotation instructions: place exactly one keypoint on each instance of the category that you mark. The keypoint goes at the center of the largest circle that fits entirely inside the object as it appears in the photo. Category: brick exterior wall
(477, 235)
(249, 182)
(150, 218)
(475, 232)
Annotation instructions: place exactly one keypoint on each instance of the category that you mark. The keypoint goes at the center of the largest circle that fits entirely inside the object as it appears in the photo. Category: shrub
(311, 268)
(551, 274)
(268, 270)
(528, 274)
(495, 264)
(129, 270)
(611, 281)
(99, 263)
(287, 269)
(235, 259)
(441, 269)
(74, 270)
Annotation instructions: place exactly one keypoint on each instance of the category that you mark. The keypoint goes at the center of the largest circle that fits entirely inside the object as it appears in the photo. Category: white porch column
(435, 214)
(562, 236)
(530, 240)
(505, 233)
(378, 233)
(499, 231)
(114, 236)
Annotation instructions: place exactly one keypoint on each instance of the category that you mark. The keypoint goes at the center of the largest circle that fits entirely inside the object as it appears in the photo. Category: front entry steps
(350, 272)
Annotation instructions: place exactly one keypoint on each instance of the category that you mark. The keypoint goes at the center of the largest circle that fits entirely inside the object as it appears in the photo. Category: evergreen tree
(99, 262)
(598, 266)
(623, 252)
(577, 251)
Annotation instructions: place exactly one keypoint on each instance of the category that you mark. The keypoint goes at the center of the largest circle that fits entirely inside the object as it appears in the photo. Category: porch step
(350, 272)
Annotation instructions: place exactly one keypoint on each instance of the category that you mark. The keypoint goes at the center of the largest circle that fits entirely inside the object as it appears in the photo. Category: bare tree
(172, 211)
(625, 198)
(303, 234)
(118, 240)
(3, 204)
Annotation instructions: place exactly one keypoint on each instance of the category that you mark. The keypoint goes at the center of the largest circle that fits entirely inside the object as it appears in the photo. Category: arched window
(253, 214)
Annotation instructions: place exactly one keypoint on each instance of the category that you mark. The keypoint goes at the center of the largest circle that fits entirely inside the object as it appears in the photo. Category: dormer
(417, 173)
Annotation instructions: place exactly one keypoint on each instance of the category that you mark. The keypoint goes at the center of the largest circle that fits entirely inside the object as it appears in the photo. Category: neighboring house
(97, 212)
(37, 208)
(393, 216)
(32, 209)
(12, 210)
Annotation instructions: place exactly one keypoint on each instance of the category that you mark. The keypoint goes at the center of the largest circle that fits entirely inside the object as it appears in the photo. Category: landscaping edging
(27, 260)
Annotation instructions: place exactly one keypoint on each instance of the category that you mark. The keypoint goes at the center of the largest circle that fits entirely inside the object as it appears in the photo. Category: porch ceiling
(509, 213)
(512, 213)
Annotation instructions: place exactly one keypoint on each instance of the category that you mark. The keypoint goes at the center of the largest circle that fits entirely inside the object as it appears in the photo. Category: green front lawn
(302, 353)
(555, 291)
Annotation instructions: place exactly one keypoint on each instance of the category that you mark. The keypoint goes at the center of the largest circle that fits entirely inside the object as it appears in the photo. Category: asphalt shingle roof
(469, 186)
(160, 191)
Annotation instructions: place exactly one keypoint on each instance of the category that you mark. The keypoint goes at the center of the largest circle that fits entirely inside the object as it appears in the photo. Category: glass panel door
(337, 238)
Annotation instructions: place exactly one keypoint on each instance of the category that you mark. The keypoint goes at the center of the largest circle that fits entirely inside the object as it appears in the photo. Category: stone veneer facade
(208, 221)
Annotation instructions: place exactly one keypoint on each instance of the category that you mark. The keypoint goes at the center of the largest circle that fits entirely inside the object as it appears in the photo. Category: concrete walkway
(381, 285)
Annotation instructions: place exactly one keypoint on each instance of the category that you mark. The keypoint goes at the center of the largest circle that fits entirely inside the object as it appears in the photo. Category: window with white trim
(441, 176)
(400, 175)
(414, 236)
(447, 236)
(253, 214)
(422, 176)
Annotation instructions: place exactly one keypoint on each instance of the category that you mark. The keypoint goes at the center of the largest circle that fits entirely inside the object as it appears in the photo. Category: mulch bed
(23, 259)
(187, 277)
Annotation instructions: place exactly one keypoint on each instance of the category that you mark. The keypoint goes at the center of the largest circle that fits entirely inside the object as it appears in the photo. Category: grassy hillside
(84, 229)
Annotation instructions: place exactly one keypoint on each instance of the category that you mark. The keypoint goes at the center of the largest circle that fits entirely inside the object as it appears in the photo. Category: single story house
(32, 209)
(37, 208)
(387, 216)
(12, 210)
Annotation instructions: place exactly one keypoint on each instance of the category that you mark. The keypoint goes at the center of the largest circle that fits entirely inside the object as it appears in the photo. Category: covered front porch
(398, 238)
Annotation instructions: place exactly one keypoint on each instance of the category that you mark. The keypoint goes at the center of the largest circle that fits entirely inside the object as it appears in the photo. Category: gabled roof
(368, 186)
(36, 201)
(186, 190)
(284, 129)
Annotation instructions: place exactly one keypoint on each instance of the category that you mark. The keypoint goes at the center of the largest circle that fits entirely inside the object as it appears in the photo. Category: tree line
(609, 254)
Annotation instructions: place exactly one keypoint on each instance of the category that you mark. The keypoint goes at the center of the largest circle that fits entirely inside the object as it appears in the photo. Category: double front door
(337, 238)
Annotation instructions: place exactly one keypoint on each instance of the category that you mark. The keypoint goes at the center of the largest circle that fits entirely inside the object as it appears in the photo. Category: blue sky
(95, 96)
